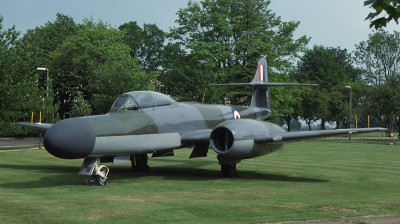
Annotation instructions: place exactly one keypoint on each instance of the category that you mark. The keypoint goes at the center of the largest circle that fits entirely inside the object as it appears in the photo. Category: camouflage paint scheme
(143, 122)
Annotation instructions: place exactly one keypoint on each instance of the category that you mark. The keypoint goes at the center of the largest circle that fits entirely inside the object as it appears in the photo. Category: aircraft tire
(100, 181)
(229, 170)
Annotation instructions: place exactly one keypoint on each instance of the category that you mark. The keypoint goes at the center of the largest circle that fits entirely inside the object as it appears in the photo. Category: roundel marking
(236, 114)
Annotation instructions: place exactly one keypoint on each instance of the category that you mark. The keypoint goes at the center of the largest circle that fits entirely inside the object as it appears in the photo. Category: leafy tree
(8, 108)
(146, 44)
(81, 107)
(75, 60)
(133, 37)
(314, 106)
(339, 103)
(228, 37)
(42, 40)
(379, 60)
(114, 78)
(331, 69)
(390, 7)
(285, 101)
(327, 67)
(152, 47)
(20, 93)
(382, 104)
(187, 79)
(35, 48)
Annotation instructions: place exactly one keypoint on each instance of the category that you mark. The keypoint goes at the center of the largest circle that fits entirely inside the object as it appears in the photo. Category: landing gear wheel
(139, 163)
(101, 181)
(229, 170)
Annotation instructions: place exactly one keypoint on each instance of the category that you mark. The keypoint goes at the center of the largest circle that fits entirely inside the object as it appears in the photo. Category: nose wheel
(101, 176)
(98, 172)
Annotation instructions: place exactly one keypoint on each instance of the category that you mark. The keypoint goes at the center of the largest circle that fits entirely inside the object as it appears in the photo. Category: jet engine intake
(234, 139)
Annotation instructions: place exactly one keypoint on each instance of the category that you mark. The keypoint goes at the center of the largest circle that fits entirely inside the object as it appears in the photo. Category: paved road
(378, 219)
(7, 142)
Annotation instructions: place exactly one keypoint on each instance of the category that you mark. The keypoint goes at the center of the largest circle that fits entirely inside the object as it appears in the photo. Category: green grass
(305, 180)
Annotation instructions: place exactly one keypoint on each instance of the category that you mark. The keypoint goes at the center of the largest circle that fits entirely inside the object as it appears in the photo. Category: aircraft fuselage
(177, 118)
(139, 131)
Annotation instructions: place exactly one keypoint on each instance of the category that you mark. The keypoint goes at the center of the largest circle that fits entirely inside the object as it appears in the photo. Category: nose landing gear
(91, 166)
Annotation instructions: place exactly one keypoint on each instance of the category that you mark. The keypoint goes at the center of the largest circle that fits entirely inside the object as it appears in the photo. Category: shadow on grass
(58, 176)
(68, 175)
(40, 168)
(192, 170)
(176, 173)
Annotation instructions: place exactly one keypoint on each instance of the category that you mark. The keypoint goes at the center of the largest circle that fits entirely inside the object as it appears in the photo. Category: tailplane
(260, 86)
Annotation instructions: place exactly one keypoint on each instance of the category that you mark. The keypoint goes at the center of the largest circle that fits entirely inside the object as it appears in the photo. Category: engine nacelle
(234, 139)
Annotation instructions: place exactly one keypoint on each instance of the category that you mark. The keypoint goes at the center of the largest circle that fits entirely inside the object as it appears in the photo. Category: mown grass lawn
(306, 180)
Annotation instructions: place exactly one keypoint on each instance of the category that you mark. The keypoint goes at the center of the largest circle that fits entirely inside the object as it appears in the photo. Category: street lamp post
(349, 87)
(47, 79)
(47, 83)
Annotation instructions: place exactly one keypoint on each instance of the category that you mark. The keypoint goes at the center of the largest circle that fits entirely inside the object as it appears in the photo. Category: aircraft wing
(203, 136)
(304, 135)
(44, 126)
(200, 136)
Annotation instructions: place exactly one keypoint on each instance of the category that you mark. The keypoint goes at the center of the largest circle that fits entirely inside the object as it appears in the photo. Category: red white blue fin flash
(260, 71)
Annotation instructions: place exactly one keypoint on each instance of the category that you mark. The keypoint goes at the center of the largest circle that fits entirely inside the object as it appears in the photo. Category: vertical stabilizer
(260, 86)
(260, 92)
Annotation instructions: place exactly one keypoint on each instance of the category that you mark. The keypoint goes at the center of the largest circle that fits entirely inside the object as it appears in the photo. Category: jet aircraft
(144, 122)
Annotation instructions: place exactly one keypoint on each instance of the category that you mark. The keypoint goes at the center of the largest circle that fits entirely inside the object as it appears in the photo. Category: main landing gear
(139, 163)
(228, 167)
(229, 170)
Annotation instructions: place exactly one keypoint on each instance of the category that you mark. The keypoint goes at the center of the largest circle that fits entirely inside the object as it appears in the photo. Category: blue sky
(338, 23)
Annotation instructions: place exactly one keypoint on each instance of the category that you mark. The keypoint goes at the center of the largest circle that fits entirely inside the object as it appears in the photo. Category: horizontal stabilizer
(263, 85)
(260, 86)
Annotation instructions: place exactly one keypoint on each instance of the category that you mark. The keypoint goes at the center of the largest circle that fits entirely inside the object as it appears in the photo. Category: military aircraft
(143, 122)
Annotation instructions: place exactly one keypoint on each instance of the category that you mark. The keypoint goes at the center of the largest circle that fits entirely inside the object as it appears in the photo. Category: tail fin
(260, 92)
(260, 86)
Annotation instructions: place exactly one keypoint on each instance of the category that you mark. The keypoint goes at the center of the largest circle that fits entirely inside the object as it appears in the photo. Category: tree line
(214, 41)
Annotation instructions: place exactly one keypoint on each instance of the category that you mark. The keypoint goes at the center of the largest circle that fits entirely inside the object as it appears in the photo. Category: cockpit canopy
(139, 100)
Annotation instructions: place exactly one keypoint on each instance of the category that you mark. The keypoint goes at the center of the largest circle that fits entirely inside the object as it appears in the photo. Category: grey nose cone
(70, 139)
